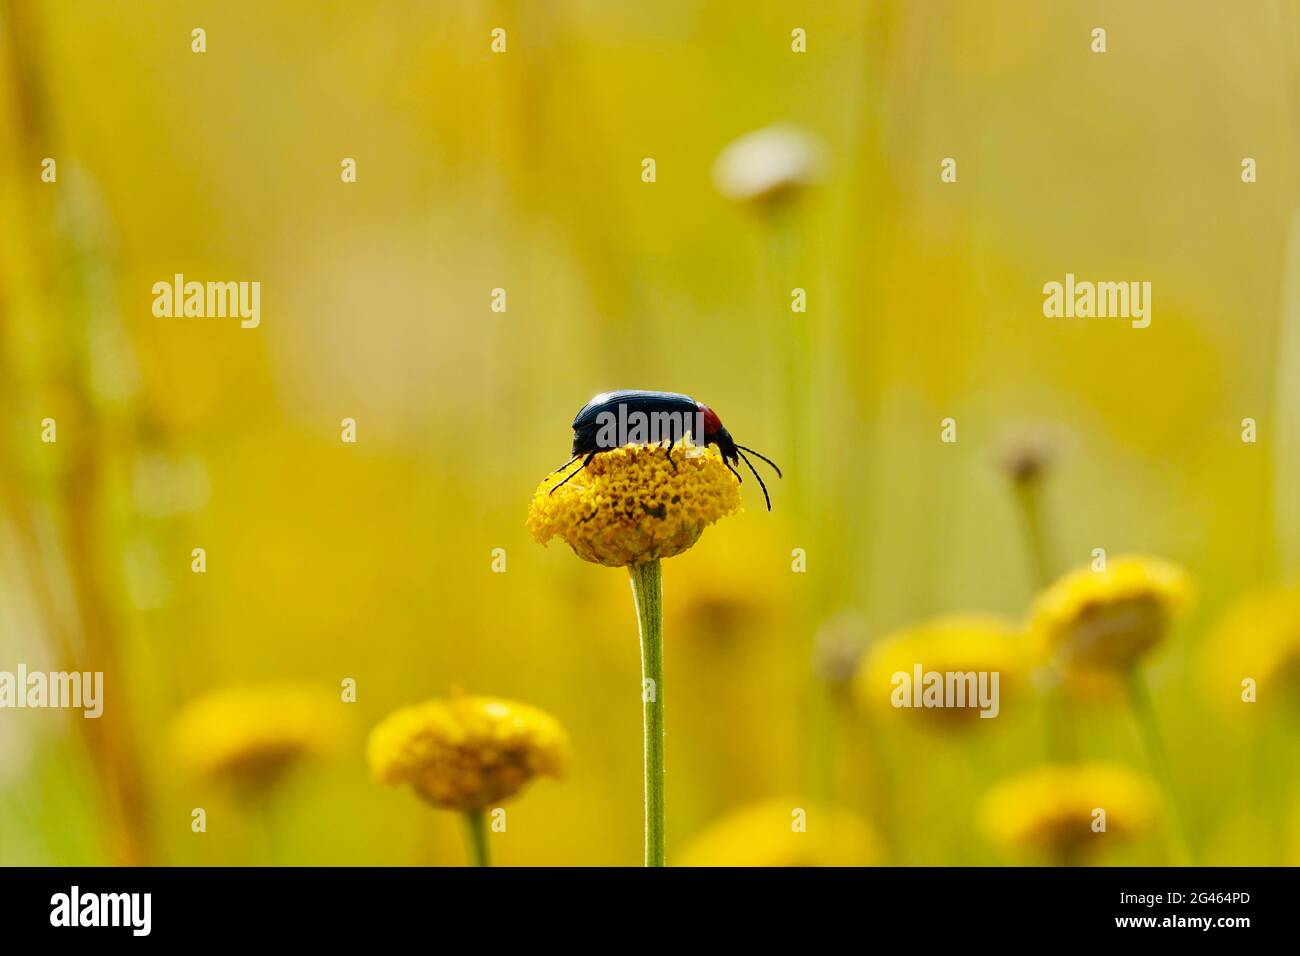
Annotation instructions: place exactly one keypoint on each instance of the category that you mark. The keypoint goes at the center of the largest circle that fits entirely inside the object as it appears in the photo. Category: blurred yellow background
(522, 171)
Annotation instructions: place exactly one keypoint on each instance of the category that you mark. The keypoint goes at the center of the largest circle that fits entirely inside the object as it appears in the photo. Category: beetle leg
(739, 480)
(669, 453)
(575, 471)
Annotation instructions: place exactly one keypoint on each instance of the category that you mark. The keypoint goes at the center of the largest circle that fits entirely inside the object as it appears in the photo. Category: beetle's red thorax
(712, 424)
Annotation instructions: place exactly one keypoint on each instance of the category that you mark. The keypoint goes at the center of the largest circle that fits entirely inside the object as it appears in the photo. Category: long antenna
(759, 477)
(764, 457)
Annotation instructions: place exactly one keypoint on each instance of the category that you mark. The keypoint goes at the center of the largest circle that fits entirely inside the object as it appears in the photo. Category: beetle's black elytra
(603, 424)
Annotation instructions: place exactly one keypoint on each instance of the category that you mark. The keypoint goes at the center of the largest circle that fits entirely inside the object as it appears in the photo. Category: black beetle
(636, 416)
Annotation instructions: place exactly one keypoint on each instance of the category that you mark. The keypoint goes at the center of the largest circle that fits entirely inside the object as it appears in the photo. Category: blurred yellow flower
(957, 644)
(1257, 639)
(1052, 810)
(467, 753)
(1107, 620)
(735, 599)
(632, 505)
(250, 735)
(785, 833)
(1092, 688)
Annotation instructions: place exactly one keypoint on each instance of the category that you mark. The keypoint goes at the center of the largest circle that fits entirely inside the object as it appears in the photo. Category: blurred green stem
(1285, 447)
(1062, 738)
(794, 337)
(647, 591)
(476, 838)
(61, 521)
(1153, 743)
(1031, 511)
(882, 765)
(258, 801)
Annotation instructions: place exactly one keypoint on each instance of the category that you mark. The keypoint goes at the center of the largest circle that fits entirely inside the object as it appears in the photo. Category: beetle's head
(732, 454)
(726, 444)
(715, 434)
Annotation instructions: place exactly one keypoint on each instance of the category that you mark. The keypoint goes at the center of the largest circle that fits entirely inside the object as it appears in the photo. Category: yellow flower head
(726, 599)
(467, 753)
(1090, 688)
(249, 735)
(785, 833)
(1107, 620)
(633, 505)
(1052, 810)
(958, 644)
(1257, 639)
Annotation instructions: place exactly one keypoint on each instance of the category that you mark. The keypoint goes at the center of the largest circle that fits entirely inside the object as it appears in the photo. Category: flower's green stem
(1152, 741)
(256, 798)
(1059, 724)
(648, 592)
(476, 837)
(1031, 510)
(1062, 735)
